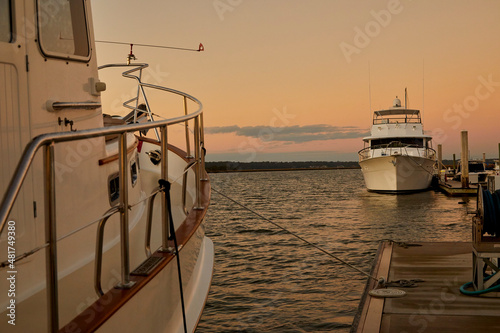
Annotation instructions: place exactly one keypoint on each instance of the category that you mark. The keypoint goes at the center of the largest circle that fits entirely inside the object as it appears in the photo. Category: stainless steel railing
(141, 92)
(48, 141)
(98, 249)
(368, 152)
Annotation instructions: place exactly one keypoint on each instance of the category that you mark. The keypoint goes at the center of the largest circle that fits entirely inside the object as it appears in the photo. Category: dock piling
(464, 160)
(440, 160)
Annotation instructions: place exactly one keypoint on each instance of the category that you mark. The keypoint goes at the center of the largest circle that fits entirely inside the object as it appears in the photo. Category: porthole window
(5, 21)
(63, 28)
(114, 189)
(133, 172)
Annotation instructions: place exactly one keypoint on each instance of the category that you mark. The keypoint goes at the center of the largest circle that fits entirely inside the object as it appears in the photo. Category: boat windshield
(396, 116)
(63, 28)
(476, 167)
(399, 142)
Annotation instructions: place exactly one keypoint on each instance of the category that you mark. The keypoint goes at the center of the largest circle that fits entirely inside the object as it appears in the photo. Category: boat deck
(436, 304)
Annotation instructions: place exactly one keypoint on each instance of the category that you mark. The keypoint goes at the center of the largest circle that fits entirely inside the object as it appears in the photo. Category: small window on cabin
(63, 28)
(133, 173)
(5, 21)
(114, 189)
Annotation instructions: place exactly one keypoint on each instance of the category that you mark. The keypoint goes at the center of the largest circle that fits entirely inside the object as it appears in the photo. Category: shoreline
(283, 169)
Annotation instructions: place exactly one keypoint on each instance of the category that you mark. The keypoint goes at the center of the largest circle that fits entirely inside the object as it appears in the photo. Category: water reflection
(267, 281)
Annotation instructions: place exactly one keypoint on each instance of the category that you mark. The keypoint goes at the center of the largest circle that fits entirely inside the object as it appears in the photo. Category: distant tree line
(226, 166)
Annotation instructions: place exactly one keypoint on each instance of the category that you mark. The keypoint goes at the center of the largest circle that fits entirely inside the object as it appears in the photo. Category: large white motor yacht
(397, 156)
(102, 218)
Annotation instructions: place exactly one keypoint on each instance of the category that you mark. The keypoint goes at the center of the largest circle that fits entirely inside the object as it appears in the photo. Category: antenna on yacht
(406, 97)
(369, 88)
(199, 49)
(131, 56)
(423, 91)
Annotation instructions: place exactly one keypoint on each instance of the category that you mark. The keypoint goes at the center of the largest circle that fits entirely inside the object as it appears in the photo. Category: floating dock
(434, 305)
(454, 188)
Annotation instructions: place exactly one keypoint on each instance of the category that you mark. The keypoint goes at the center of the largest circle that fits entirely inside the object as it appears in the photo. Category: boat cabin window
(63, 28)
(5, 21)
(114, 189)
(133, 172)
(476, 167)
(397, 142)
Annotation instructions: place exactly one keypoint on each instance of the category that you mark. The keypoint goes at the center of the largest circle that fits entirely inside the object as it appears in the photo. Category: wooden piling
(464, 160)
(440, 160)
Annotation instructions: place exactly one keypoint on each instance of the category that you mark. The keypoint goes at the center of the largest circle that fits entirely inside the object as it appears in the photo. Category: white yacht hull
(397, 173)
(157, 307)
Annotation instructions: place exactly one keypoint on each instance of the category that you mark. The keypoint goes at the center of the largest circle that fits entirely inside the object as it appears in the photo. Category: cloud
(295, 134)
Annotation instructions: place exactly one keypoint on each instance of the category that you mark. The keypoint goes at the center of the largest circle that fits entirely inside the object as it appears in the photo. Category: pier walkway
(434, 305)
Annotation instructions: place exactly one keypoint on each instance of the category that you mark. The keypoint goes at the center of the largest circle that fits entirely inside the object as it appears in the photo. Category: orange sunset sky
(290, 80)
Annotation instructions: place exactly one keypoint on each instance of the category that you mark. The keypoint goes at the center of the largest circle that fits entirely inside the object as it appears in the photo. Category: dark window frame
(61, 55)
(11, 23)
(114, 189)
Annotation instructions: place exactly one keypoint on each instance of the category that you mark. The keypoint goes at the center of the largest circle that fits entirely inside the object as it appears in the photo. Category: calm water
(266, 280)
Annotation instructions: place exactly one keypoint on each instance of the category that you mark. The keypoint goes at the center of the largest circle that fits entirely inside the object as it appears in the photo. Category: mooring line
(297, 236)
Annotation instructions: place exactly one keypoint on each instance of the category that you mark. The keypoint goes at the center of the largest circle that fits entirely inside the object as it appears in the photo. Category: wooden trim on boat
(173, 149)
(112, 158)
(181, 153)
(102, 309)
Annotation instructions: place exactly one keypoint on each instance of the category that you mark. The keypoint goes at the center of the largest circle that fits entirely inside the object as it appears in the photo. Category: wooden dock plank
(442, 324)
(376, 305)
(435, 305)
(370, 319)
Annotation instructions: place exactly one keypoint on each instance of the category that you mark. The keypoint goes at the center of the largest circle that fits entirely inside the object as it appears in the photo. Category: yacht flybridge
(398, 156)
(101, 219)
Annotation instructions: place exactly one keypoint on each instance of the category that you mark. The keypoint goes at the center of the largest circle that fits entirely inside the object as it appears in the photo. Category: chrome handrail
(184, 186)
(149, 222)
(149, 219)
(98, 249)
(140, 90)
(51, 237)
(364, 153)
(46, 139)
(54, 106)
(396, 120)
